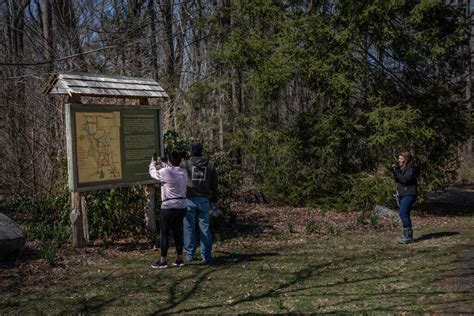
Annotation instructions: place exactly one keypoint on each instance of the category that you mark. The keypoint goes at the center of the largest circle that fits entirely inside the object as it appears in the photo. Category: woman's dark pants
(171, 220)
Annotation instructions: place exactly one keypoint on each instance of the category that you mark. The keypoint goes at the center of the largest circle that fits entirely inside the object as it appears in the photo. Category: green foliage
(110, 213)
(333, 230)
(334, 93)
(230, 181)
(48, 252)
(45, 218)
(273, 164)
(313, 228)
(116, 212)
(173, 141)
(366, 191)
(390, 132)
(290, 227)
(229, 175)
(374, 220)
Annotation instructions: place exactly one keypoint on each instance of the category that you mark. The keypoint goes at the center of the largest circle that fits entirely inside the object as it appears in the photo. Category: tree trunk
(469, 148)
(166, 9)
(154, 50)
(48, 35)
(77, 221)
(66, 19)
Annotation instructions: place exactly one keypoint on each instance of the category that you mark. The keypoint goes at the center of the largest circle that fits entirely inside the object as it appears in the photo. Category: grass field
(356, 270)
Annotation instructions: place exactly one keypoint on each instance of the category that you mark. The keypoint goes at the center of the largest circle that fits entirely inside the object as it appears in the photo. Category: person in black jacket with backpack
(405, 174)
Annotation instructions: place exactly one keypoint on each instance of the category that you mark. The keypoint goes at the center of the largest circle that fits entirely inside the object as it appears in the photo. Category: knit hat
(196, 149)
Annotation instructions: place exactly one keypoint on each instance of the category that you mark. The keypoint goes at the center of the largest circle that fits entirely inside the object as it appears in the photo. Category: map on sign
(98, 146)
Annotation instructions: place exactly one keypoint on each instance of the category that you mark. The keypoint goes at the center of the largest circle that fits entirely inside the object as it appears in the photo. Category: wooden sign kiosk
(108, 145)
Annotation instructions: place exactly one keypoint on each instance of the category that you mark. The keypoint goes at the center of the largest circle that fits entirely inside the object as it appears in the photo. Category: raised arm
(407, 177)
(154, 168)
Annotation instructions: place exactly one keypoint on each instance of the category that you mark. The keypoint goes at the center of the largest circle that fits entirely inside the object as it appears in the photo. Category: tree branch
(56, 60)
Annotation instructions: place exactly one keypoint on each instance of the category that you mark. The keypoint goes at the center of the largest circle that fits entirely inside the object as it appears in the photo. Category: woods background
(307, 100)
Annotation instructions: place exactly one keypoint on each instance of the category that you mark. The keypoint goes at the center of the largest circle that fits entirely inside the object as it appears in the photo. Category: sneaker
(204, 261)
(159, 265)
(178, 263)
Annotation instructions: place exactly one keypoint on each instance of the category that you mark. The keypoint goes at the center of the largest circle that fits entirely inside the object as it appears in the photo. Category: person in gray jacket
(202, 190)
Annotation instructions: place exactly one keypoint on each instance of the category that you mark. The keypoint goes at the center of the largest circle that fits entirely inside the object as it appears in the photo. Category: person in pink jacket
(173, 181)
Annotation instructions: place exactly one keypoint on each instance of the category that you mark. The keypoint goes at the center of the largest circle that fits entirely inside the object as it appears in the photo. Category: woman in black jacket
(405, 174)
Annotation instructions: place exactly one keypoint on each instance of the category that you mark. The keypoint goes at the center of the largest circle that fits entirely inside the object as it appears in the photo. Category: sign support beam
(77, 208)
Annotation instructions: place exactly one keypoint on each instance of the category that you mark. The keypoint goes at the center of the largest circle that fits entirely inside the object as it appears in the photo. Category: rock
(12, 238)
(384, 211)
(386, 216)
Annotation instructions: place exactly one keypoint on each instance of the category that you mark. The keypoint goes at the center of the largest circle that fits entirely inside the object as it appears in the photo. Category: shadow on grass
(219, 263)
(86, 306)
(253, 226)
(124, 246)
(295, 285)
(435, 235)
(295, 279)
(16, 259)
(236, 258)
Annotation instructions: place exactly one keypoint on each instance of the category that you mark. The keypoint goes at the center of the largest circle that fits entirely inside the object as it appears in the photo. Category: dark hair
(196, 149)
(175, 157)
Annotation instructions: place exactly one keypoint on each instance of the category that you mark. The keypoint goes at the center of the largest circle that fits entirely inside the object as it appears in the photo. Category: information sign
(111, 145)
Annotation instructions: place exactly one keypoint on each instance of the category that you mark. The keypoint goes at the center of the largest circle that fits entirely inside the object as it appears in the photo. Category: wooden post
(77, 207)
(150, 217)
(85, 221)
(77, 221)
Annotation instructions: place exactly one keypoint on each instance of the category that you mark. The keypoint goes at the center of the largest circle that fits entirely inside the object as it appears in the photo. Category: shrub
(48, 252)
(45, 218)
(290, 228)
(368, 190)
(312, 227)
(116, 212)
(230, 180)
(333, 230)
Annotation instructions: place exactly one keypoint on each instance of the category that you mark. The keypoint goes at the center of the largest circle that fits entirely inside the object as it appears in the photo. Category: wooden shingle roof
(94, 85)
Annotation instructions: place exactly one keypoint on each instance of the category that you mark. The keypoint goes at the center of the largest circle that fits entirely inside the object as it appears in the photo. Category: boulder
(386, 215)
(12, 238)
(384, 211)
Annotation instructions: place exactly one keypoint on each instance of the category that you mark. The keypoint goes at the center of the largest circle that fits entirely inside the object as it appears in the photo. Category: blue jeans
(197, 206)
(406, 202)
